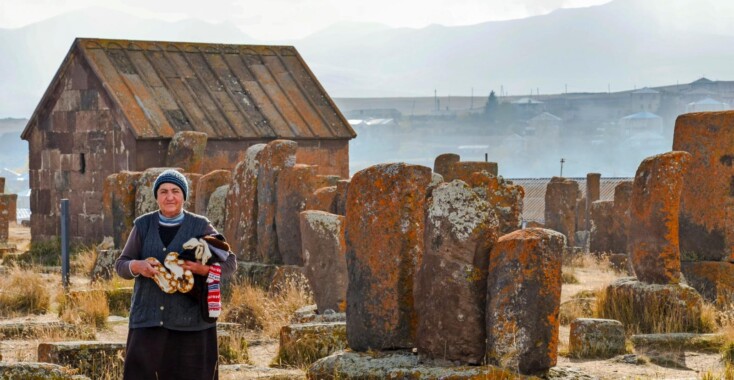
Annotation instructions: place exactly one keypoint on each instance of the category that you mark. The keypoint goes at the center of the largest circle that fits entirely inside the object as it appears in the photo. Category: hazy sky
(288, 19)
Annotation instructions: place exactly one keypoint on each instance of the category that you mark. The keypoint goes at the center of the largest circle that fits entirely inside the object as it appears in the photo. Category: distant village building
(705, 105)
(641, 122)
(114, 105)
(646, 99)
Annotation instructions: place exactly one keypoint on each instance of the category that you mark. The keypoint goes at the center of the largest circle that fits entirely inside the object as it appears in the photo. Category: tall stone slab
(322, 199)
(324, 259)
(384, 234)
(451, 285)
(504, 197)
(216, 210)
(186, 151)
(295, 185)
(118, 204)
(4, 220)
(240, 225)
(444, 162)
(707, 197)
(621, 218)
(602, 213)
(523, 300)
(340, 199)
(276, 156)
(653, 236)
(2, 185)
(593, 192)
(560, 207)
(463, 170)
(206, 186)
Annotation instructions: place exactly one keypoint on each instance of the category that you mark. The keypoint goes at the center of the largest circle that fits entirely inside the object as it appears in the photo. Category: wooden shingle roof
(226, 91)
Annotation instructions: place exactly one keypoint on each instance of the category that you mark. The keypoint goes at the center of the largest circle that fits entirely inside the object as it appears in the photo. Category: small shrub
(232, 348)
(23, 292)
(569, 277)
(727, 353)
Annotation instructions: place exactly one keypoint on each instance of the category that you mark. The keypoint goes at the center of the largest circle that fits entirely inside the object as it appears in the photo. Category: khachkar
(707, 203)
(7, 213)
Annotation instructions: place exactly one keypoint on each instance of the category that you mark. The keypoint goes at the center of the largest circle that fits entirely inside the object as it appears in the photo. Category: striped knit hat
(174, 177)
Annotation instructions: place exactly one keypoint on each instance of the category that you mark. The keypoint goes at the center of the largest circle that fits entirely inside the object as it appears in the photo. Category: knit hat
(174, 177)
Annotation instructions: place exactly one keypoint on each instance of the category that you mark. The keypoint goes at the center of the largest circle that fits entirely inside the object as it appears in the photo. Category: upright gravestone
(707, 196)
(621, 218)
(384, 234)
(560, 207)
(451, 288)
(654, 251)
(443, 163)
(240, 225)
(118, 202)
(524, 299)
(207, 184)
(295, 185)
(593, 191)
(186, 151)
(277, 155)
(324, 259)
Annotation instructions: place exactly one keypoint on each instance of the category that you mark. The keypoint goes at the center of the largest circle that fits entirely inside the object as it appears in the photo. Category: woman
(169, 337)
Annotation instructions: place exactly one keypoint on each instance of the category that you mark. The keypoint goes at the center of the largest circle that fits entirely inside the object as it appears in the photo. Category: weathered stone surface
(2, 185)
(524, 297)
(340, 200)
(118, 199)
(35, 330)
(12, 201)
(581, 214)
(593, 192)
(303, 344)
(206, 186)
(216, 210)
(295, 185)
(560, 207)
(596, 338)
(30, 370)
(384, 234)
(714, 280)
(707, 201)
(653, 308)
(104, 264)
(93, 358)
(4, 217)
(621, 220)
(444, 162)
(669, 349)
(347, 365)
(324, 258)
(186, 151)
(464, 170)
(322, 199)
(602, 213)
(451, 285)
(277, 155)
(653, 237)
(504, 197)
(251, 372)
(241, 223)
(308, 314)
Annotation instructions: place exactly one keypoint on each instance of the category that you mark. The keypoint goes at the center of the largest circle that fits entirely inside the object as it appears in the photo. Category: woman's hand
(196, 268)
(144, 268)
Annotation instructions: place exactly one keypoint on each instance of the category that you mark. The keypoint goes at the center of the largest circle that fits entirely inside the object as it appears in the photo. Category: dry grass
(657, 315)
(82, 262)
(258, 309)
(726, 374)
(89, 307)
(22, 292)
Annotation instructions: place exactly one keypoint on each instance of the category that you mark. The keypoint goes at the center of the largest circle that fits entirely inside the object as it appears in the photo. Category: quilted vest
(151, 307)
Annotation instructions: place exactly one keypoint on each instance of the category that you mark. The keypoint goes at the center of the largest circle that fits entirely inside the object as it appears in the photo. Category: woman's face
(170, 199)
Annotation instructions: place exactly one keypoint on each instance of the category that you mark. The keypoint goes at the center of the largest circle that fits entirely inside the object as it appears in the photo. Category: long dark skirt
(157, 353)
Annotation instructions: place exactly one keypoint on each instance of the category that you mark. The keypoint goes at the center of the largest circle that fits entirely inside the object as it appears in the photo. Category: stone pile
(707, 203)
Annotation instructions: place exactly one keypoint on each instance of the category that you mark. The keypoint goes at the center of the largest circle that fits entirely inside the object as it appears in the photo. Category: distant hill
(620, 45)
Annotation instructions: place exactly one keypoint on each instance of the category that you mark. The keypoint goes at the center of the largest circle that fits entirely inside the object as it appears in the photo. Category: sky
(292, 19)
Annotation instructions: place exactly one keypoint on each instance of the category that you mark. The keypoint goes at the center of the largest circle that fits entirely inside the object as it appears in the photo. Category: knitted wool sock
(214, 294)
